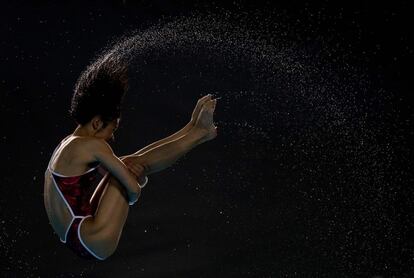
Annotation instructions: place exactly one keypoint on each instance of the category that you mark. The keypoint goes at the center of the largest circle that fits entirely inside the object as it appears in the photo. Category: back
(67, 196)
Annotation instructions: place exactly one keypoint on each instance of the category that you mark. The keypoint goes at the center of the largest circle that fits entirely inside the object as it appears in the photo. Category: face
(107, 132)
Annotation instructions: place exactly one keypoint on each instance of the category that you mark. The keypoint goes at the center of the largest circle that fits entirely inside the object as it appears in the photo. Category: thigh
(102, 232)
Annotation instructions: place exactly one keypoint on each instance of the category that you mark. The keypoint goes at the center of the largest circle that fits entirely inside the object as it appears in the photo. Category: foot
(205, 121)
(198, 107)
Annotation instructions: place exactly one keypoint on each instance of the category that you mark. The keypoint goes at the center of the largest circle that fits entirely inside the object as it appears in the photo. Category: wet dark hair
(100, 90)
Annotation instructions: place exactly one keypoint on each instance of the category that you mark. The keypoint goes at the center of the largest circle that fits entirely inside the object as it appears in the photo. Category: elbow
(133, 194)
(135, 189)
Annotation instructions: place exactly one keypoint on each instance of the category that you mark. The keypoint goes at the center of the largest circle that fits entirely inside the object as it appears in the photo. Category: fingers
(136, 169)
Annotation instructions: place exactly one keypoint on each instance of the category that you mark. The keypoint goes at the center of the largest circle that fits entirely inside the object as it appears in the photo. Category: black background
(214, 213)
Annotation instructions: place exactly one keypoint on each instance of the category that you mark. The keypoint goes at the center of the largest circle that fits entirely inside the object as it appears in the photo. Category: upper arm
(103, 153)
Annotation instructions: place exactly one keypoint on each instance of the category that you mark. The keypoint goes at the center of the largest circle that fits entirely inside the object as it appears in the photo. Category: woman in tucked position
(88, 189)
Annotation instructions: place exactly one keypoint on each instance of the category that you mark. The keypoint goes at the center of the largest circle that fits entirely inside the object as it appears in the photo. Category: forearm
(130, 194)
(172, 137)
(165, 154)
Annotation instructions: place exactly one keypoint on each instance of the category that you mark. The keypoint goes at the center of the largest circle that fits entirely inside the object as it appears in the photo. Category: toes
(214, 103)
(207, 98)
(204, 99)
(210, 104)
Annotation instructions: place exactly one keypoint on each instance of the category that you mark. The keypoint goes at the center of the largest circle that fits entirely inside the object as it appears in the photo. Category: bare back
(69, 159)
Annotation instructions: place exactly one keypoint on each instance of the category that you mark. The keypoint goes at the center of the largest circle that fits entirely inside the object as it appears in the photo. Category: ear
(97, 123)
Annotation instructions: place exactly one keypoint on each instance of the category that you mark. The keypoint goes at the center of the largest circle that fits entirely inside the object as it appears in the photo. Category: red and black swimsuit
(80, 196)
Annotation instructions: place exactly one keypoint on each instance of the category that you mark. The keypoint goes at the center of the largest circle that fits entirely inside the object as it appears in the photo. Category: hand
(136, 169)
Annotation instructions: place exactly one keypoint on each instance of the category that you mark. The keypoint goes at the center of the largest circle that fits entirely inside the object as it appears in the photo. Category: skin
(102, 232)
(97, 135)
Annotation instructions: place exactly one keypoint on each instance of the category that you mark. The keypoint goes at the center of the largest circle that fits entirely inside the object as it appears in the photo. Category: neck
(82, 131)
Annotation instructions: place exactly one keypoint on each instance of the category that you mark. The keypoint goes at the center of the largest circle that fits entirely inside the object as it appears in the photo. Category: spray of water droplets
(285, 108)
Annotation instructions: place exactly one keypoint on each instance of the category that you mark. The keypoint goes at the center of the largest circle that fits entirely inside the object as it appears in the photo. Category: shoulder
(90, 147)
(77, 151)
(95, 144)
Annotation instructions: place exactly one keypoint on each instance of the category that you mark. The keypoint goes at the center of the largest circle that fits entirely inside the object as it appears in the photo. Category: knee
(103, 245)
(107, 254)
(109, 244)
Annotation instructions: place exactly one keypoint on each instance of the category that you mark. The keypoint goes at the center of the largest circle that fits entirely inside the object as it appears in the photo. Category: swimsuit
(76, 192)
